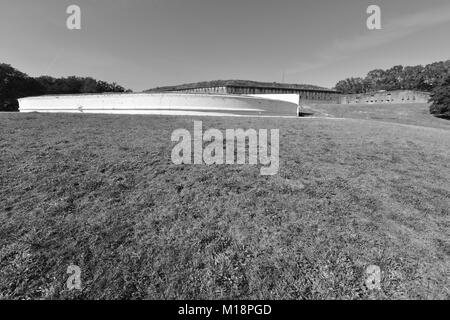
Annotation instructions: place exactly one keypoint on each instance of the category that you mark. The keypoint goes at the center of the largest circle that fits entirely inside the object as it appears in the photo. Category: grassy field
(101, 192)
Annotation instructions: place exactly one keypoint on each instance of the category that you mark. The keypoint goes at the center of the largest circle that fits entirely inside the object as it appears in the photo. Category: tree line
(15, 84)
(421, 78)
(433, 78)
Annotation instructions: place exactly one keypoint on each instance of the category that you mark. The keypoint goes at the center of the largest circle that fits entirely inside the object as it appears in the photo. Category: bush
(441, 99)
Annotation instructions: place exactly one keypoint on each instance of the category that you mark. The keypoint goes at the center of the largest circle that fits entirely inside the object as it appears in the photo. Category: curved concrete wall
(161, 104)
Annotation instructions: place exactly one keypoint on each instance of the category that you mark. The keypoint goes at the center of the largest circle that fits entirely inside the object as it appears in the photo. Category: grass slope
(413, 114)
(100, 192)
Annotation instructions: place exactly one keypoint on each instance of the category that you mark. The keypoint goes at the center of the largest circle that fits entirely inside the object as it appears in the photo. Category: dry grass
(101, 192)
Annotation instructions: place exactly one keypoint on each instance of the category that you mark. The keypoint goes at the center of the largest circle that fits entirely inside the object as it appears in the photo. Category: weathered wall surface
(162, 104)
(399, 96)
(306, 96)
(211, 90)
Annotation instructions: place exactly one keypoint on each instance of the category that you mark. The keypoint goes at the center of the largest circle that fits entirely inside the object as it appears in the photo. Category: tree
(375, 79)
(351, 85)
(76, 85)
(414, 78)
(393, 79)
(441, 99)
(435, 73)
(14, 85)
(88, 85)
(103, 86)
(399, 78)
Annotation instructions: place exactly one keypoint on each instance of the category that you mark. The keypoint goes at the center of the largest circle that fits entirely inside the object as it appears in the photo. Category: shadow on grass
(443, 116)
(305, 114)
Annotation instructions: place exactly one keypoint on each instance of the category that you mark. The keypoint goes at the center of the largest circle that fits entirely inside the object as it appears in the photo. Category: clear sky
(146, 43)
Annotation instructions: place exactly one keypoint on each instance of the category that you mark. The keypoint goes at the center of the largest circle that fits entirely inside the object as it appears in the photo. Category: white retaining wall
(164, 104)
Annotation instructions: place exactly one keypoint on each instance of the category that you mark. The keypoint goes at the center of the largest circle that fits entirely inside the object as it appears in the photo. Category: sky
(141, 44)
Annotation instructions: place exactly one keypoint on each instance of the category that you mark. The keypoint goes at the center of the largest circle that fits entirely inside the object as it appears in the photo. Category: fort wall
(398, 96)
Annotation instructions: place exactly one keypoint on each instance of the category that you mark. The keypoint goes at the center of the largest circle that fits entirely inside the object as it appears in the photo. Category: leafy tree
(398, 78)
(351, 85)
(435, 73)
(14, 85)
(109, 87)
(414, 78)
(441, 99)
(375, 79)
(76, 85)
(393, 79)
